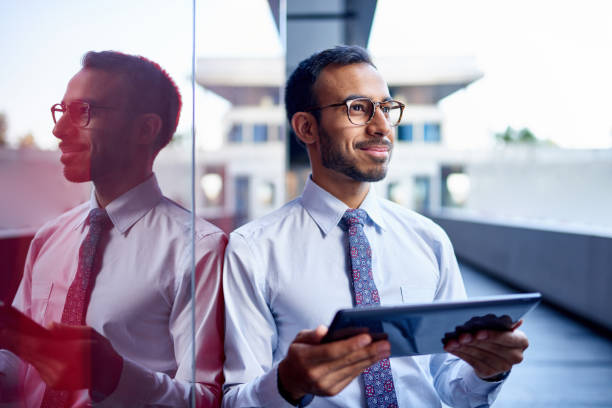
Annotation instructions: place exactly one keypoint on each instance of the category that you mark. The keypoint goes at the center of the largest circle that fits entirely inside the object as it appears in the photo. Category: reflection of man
(125, 306)
(294, 268)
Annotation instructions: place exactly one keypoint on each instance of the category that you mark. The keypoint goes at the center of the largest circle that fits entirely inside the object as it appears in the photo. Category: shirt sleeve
(250, 332)
(12, 368)
(455, 380)
(139, 386)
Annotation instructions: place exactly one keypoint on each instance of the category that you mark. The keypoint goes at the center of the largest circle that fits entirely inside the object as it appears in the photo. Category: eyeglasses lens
(361, 111)
(78, 113)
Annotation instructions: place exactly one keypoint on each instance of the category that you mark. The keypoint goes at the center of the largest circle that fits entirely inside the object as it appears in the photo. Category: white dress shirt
(141, 300)
(289, 271)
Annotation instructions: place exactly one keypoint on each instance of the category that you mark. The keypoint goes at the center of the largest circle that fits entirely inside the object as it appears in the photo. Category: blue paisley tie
(377, 379)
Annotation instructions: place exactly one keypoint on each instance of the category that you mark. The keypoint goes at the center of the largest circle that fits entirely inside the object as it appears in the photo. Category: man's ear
(149, 126)
(305, 127)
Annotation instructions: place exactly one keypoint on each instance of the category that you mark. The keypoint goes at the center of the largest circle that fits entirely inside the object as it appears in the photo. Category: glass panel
(136, 264)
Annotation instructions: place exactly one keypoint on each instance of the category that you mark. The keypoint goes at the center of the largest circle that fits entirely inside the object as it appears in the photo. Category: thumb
(311, 336)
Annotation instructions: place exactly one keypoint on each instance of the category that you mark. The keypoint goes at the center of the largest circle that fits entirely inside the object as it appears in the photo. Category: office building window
(421, 194)
(235, 134)
(431, 133)
(404, 133)
(260, 133)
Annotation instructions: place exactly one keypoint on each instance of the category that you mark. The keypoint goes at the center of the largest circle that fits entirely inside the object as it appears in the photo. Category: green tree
(522, 136)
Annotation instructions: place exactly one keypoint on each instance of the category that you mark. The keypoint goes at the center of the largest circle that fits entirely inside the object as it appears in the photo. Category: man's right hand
(325, 369)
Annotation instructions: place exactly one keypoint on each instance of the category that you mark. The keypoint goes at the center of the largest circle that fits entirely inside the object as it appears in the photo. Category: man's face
(102, 148)
(361, 153)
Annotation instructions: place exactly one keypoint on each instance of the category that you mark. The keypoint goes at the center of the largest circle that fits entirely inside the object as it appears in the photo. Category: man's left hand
(490, 352)
(72, 358)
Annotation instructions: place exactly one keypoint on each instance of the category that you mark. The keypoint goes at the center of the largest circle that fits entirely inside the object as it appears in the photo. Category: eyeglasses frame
(63, 106)
(348, 103)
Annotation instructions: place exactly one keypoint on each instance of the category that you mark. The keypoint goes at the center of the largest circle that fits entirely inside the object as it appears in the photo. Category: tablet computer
(13, 319)
(414, 329)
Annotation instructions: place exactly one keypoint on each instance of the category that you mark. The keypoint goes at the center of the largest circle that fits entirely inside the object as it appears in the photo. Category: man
(339, 246)
(111, 278)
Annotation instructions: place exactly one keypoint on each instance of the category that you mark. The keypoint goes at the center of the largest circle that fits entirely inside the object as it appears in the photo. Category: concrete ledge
(572, 270)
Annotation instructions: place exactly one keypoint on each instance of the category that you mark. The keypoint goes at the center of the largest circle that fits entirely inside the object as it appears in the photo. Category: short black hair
(299, 93)
(150, 90)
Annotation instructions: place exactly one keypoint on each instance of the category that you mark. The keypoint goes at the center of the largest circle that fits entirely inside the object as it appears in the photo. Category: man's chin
(367, 176)
(76, 175)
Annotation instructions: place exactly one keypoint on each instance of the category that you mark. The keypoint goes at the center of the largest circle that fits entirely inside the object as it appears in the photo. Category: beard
(334, 159)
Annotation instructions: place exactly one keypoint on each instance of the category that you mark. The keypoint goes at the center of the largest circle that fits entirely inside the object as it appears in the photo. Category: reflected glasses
(79, 112)
(360, 111)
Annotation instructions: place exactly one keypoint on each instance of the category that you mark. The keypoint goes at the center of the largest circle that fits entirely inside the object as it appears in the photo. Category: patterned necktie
(79, 293)
(378, 380)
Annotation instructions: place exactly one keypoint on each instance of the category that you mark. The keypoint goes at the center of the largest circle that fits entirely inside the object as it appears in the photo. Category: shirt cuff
(269, 394)
(477, 386)
(134, 387)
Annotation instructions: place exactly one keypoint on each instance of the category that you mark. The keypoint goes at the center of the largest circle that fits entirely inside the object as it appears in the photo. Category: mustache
(375, 143)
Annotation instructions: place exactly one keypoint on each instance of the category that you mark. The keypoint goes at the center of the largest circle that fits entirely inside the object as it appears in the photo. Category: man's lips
(73, 148)
(379, 150)
(72, 152)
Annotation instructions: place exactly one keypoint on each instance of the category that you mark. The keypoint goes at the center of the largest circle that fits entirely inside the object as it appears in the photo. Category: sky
(546, 64)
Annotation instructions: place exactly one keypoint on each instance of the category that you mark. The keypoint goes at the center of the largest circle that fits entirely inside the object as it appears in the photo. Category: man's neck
(349, 191)
(108, 190)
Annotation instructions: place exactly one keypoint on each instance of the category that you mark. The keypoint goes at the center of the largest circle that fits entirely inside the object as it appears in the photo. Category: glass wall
(97, 224)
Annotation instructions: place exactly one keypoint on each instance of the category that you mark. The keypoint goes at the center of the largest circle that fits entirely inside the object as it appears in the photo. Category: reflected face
(359, 152)
(99, 149)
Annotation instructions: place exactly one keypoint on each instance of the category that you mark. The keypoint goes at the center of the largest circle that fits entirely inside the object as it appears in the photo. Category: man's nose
(379, 125)
(63, 128)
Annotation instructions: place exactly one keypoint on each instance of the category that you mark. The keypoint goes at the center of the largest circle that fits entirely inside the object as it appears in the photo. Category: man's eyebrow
(353, 96)
(357, 96)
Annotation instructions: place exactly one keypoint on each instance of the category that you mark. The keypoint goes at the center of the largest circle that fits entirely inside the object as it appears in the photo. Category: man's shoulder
(396, 214)
(269, 224)
(174, 213)
(68, 219)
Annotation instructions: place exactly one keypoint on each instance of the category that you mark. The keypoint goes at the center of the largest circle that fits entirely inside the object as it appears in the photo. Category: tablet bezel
(349, 322)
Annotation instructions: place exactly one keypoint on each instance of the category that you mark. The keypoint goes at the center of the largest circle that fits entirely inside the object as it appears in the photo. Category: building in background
(245, 178)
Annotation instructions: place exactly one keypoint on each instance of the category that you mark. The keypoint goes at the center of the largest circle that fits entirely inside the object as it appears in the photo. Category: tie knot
(98, 217)
(354, 216)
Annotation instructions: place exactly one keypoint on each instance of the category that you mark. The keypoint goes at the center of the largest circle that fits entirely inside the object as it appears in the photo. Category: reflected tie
(79, 293)
(377, 379)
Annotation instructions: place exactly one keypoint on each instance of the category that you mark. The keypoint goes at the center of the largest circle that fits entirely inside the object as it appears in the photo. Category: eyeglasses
(79, 112)
(360, 111)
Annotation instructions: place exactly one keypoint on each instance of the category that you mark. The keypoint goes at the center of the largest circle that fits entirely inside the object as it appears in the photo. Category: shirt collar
(128, 208)
(326, 210)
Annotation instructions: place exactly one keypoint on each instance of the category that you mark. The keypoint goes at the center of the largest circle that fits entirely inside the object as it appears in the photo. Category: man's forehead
(95, 85)
(339, 82)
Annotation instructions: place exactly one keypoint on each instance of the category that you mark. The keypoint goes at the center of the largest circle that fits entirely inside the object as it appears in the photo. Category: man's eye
(358, 107)
(386, 109)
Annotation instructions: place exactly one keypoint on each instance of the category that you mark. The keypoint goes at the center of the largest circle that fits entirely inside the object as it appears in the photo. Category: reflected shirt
(141, 300)
(289, 271)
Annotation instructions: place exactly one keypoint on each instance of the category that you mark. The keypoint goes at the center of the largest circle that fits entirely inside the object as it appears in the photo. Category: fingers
(340, 373)
(339, 349)
(490, 352)
(311, 336)
(325, 369)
